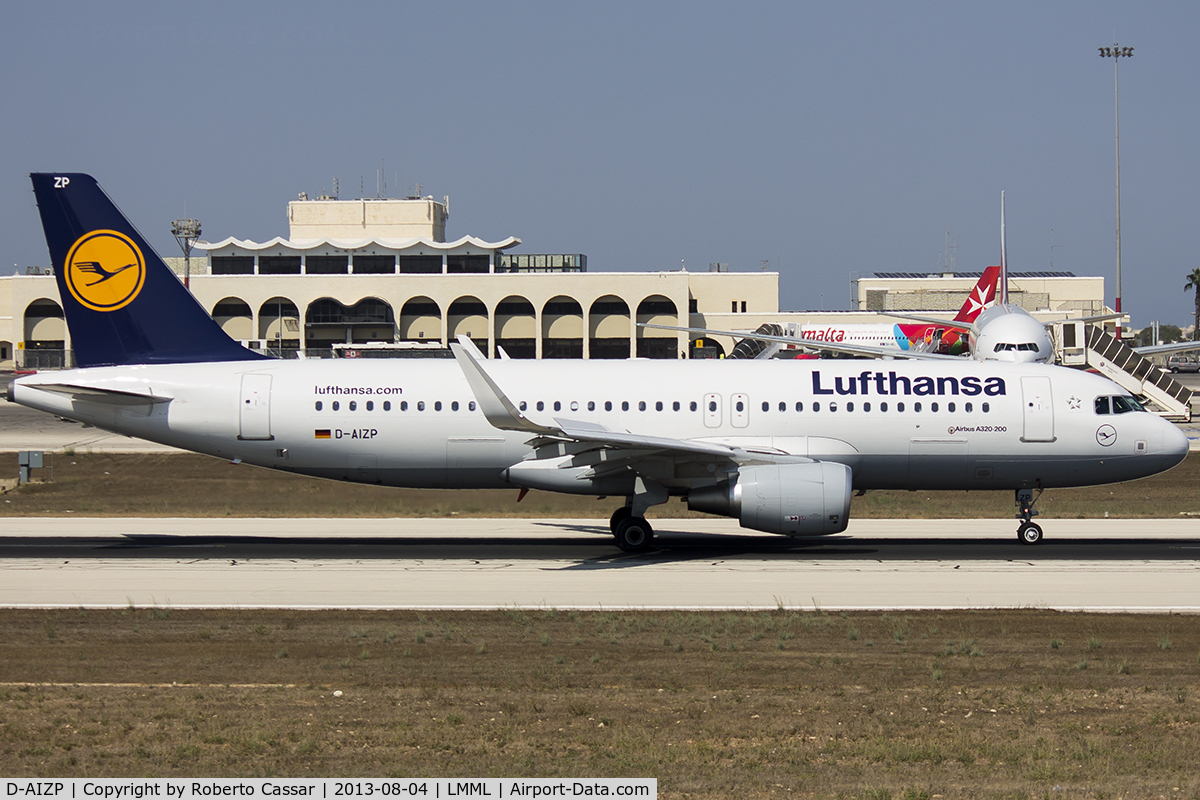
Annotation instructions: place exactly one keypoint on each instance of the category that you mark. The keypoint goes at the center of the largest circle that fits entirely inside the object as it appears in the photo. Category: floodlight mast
(1116, 53)
(186, 232)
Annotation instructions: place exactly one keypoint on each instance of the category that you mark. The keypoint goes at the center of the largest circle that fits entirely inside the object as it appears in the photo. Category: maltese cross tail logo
(95, 268)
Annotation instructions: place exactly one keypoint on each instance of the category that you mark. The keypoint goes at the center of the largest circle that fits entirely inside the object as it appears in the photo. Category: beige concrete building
(380, 271)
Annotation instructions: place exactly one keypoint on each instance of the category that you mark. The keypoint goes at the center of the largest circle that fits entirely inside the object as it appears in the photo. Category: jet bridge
(1095, 349)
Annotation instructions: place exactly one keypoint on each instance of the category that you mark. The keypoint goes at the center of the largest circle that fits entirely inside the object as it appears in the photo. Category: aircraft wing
(946, 323)
(814, 346)
(502, 413)
(1156, 349)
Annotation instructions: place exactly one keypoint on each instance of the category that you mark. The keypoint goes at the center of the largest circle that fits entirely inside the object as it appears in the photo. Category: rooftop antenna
(186, 232)
(1052, 246)
(948, 257)
(1003, 255)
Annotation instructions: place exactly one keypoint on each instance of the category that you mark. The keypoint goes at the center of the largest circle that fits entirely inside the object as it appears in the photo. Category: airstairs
(1165, 396)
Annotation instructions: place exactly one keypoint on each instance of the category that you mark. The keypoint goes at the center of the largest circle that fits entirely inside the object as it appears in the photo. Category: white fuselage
(415, 423)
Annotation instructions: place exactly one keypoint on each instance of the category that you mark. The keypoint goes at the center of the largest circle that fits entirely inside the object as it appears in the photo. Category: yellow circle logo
(105, 270)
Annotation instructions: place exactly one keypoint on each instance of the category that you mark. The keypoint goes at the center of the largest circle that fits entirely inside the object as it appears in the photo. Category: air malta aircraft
(777, 446)
(930, 336)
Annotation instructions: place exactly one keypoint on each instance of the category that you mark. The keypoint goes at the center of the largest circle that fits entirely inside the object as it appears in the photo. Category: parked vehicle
(1183, 364)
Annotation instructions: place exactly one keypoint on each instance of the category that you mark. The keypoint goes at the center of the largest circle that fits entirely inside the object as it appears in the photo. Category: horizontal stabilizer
(97, 394)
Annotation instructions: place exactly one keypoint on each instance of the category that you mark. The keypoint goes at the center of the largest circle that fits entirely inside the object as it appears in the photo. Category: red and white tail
(981, 297)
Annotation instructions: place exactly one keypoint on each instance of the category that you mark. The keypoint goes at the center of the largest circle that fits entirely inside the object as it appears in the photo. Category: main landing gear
(1029, 532)
(633, 534)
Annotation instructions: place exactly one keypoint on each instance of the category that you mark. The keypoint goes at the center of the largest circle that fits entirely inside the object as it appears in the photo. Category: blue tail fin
(122, 304)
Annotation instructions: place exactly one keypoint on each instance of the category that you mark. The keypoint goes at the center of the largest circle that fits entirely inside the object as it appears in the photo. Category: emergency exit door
(1038, 410)
(255, 416)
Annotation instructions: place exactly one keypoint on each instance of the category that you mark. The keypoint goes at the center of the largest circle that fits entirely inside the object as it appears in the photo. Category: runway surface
(1107, 565)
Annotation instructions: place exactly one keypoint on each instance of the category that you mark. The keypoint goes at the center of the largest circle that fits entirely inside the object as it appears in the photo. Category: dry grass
(199, 486)
(773, 704)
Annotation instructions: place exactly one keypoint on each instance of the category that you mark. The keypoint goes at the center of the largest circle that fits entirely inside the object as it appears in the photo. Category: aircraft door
(712, 410)
(739, 410)
(255, 418)
(1037, 409)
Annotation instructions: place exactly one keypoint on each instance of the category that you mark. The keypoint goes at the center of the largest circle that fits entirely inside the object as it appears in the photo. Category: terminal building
(378, 272)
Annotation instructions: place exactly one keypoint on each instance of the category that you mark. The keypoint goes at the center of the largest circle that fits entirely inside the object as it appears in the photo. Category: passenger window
(917, 407)
(420, 405)
(883, 406)
(454, 405)
(574, 405)
(370, 405)
(557, 406)
(850, 406)
(712, 405)
(766, 406)
(437, 405)
(524, 406)
(641, 405)
(541, 406)
(799, 406)
(387, 405)
(318, 405)
(470, 405)
(336, 405)
(608, 405)
(658, 406)
(741, 406)
(404, 405)
(783, 406)
(986, 407)
(816, 407)
(950, 407)
(692, 405)
(900, 407)
(968, 407)
(591, 405)
(832, 407)
(624, 405)
(933, 407)
(866, 406)
(354, 405)
(675, 406)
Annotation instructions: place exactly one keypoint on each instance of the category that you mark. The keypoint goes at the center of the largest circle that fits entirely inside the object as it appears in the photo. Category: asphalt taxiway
(1104, 565)
(1133, 565)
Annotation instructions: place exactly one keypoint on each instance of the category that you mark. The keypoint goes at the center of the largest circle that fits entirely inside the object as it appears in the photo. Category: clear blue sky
(827, 138)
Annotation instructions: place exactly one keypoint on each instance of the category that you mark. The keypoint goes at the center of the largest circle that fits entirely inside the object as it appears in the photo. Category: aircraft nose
(1175, 443)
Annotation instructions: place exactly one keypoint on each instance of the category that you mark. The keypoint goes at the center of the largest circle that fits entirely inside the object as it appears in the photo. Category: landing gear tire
(621, 513)
(633, 534)
(1030, 533)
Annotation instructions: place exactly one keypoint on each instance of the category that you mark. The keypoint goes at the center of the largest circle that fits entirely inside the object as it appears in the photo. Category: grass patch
(985, 709)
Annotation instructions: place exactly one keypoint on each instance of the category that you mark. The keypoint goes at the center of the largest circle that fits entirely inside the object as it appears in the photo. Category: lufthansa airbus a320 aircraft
(776, 445)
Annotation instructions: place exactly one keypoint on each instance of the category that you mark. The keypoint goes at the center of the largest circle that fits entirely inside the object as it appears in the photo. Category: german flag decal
(322, 433)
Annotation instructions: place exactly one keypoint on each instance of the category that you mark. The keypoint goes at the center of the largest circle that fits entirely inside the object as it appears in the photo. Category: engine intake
(793, 499)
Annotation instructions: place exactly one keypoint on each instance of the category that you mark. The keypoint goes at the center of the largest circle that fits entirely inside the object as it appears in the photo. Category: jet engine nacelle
(793, 499)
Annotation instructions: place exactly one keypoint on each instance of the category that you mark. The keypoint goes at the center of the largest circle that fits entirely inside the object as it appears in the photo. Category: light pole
(186, 232)
(1116, 53)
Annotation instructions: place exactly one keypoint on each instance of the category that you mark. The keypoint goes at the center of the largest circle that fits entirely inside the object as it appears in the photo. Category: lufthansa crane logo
(105, 270)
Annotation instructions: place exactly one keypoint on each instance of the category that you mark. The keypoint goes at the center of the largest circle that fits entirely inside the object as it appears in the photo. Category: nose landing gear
(1029, 531)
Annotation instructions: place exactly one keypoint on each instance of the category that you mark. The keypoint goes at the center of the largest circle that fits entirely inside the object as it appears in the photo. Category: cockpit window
(1122, 404)
(1119, 404)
